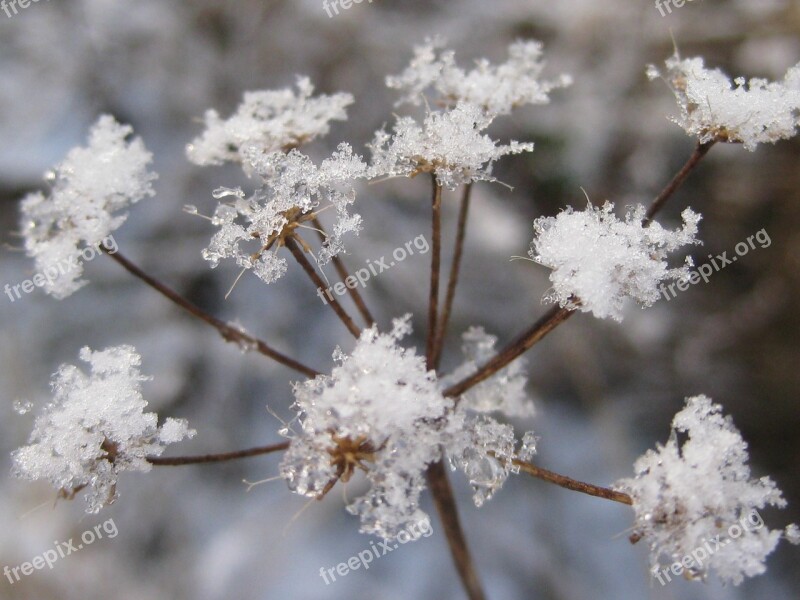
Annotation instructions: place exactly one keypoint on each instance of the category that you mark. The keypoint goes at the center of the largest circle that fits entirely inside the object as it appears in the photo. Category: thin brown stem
(573, 484)
(338, 264)
(228, 332)
(452, 281)
(436, 259)
(557, 315)
(175, 461)
(297, 252)
(448, 515)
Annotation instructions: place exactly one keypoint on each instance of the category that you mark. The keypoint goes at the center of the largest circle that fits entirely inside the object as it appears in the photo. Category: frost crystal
(95, 428)
(88, 188)
(270, 121)
(601, 260)
(504, 392)
(713, 108)
(449, 144)
(697, 494)
(379, 411)
(293, 194)
(496, 89)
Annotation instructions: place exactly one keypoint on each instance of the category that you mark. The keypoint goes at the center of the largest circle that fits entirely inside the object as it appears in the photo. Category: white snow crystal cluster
(496, 89)
(449, 144)
(253, 229)
(696, 492)
(90, 188)
(601, 260)
(270, 120)
(380, 412)
(95, 428)
(504, 392)
(749, 112)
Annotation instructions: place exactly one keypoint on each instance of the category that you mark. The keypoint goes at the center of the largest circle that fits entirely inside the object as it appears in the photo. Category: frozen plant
(694, 489)
(496, 89)
(89, 191)
(270, 121)
(95, 428)
(599, 260)
(748, 112)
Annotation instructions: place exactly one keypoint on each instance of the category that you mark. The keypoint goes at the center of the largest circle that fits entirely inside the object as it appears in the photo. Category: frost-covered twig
(297, 252)
(175, 461)
(572, 484)
(227, 331)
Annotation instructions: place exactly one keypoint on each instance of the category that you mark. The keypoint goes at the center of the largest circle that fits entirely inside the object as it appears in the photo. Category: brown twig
(297, 252)
(228, 332)
(436, 259)
(699, 152)
(573, 484)
(452, 281)
(448, 515)
(214, 458)
(338, 264)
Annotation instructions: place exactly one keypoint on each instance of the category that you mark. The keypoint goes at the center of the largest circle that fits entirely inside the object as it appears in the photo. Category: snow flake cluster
(748, 112)
(95, 428)
(449, 144)
(601, 260)
(269, 120)
(697, 488)
(253, 229)
(90, 188)
(496, 89)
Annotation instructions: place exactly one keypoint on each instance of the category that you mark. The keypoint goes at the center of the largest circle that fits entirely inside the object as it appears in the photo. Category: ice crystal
(270, 121)
(253, 229)
(714, 108)
(95, 428)
(694, 498)
(90, 189)
(379, 411)
(601, 260)
(496, 89)
(449, 144)
(504, 392)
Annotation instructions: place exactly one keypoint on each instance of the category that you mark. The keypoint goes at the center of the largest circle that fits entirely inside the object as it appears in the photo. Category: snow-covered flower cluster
(695, 488)
(381, 412)
(449, 144)
(714, 108)
(496, 89)
(269, 120)
(90, 188)
(295, 191)
(95, 428)
(600, 260)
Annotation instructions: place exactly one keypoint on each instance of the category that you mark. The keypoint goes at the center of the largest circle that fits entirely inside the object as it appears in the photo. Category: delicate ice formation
(601, 260)
(449, 144)
(252, 230)
(270, 121)
(694, 498)
(713, 108)
(95, 428)
(90, 188)
(496, 89)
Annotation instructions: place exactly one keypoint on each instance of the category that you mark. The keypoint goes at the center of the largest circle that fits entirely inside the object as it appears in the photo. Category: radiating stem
(338, 264)
(215, 458)
(436, 258)
(448, 515)
(573, 484)
(297, 252)
(452, 281)
(228, 332)
(699, 152)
